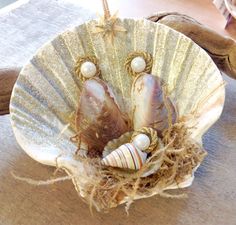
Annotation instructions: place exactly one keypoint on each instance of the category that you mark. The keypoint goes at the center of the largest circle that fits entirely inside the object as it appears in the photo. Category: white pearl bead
(138, 64)
(141, 141)
(88, 69)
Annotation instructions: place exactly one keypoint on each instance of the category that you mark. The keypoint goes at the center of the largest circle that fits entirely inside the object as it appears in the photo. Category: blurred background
(6, 2)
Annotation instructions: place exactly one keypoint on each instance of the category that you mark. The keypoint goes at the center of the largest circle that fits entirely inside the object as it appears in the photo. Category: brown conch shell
(99, 118)
(149, 109)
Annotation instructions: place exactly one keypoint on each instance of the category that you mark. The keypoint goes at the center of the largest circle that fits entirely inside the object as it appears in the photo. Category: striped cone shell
(126, 156)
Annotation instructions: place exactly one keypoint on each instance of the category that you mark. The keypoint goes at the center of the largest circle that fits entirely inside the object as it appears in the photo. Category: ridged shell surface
(126, 156)
(45, 96)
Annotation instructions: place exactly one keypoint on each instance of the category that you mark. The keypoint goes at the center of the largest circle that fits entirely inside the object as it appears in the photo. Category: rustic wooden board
(7, 80)
(211, 201)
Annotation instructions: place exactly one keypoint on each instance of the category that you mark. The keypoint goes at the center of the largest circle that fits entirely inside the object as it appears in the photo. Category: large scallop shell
(47, 90)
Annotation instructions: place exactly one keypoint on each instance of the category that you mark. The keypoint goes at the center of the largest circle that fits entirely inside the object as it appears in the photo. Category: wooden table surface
(212, 198)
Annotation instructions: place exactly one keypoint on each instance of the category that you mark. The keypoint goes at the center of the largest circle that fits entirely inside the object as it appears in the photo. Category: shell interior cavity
(45, 97)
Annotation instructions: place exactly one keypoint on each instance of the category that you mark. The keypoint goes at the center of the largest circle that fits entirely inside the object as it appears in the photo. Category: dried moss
(178, 158)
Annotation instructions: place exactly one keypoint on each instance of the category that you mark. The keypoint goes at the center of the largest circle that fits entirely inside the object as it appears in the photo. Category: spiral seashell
(149, 109)
(127, 156)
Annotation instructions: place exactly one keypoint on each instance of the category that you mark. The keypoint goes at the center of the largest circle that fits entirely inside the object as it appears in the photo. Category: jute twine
(145, 55)
(152, 134)
(83, 59)
(106, 10)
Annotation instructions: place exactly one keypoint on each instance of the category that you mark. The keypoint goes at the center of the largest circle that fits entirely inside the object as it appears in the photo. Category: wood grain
(8, 78)
(221, 49)
(211, 201)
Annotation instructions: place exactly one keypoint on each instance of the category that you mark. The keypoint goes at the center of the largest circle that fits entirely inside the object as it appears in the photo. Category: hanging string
(106, 10)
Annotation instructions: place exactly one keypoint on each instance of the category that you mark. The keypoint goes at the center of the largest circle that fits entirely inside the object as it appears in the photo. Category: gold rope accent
(152, 134)
(145, 55)
(83, 59)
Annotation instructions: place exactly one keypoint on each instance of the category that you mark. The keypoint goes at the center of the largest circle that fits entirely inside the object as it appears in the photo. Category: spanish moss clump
(108, 186)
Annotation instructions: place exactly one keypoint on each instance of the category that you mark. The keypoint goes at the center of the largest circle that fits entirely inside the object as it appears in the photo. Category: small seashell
(148, 105)
(99, 118)
(127, 156)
